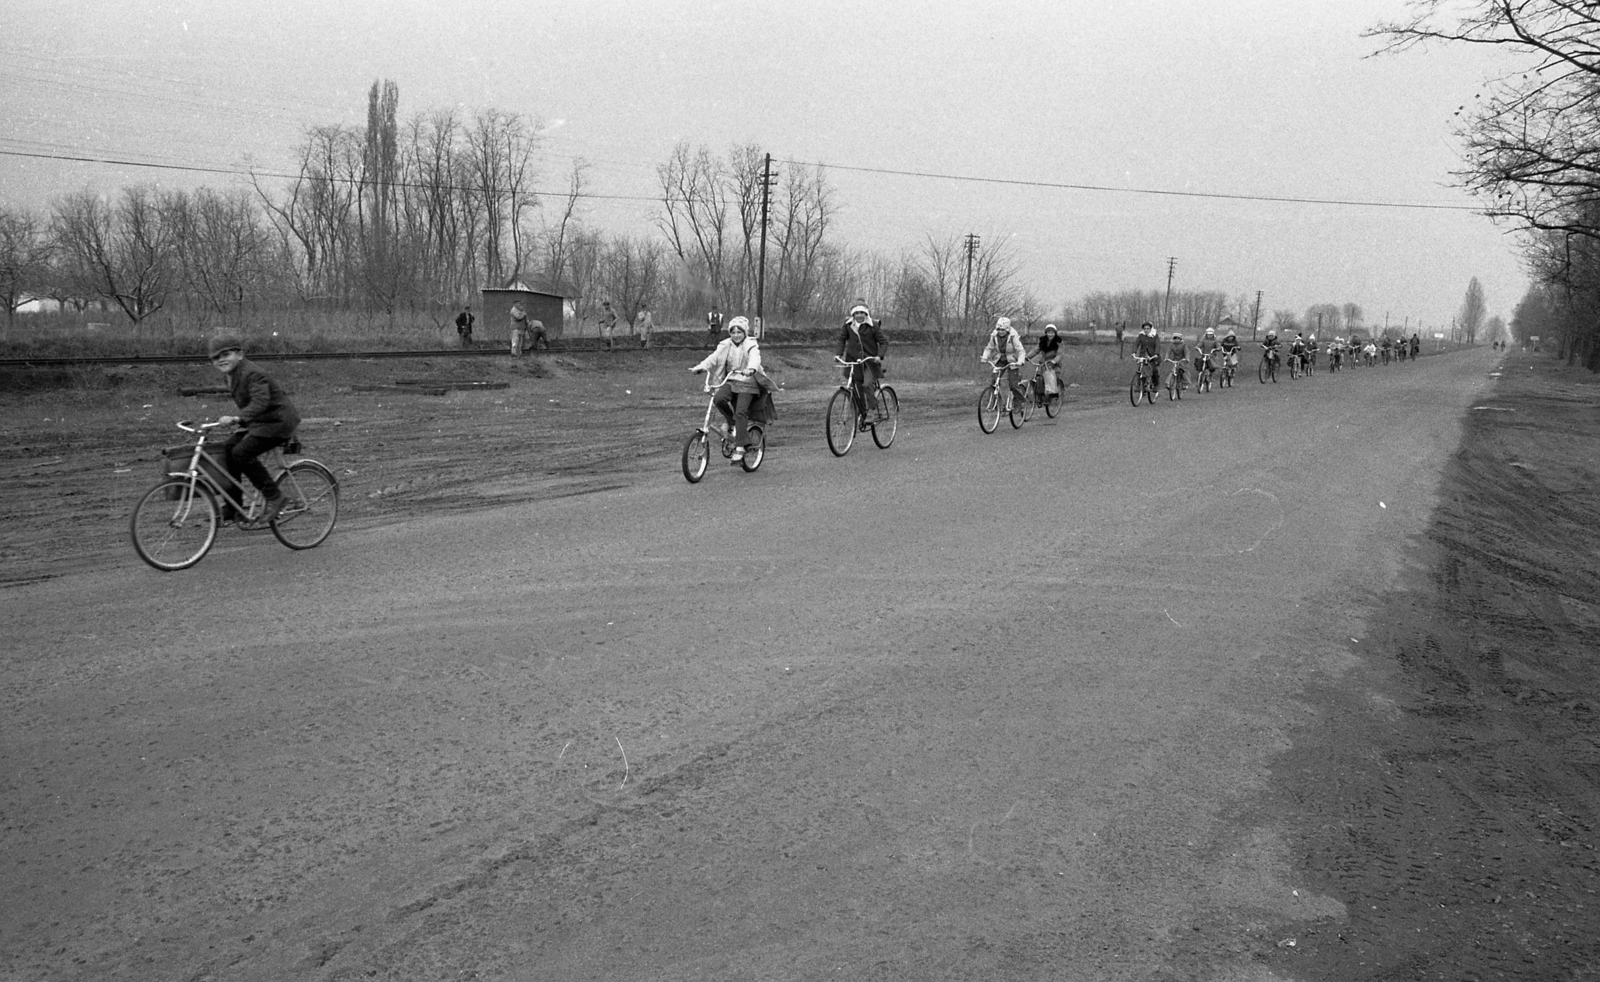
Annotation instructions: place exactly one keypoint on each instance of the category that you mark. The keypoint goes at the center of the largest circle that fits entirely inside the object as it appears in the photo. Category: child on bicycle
(1204, 351)
(1005, 345)
(1048, 355)
(1178, 353)
(266, 419)
(1269, 348)
(1148, 347)
(860, 338)
(1230, 349)
(737, 378)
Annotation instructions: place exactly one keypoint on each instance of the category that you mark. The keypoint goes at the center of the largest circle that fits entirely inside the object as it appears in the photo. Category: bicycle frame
(1143, 369)
(854, 382)
(195, 473)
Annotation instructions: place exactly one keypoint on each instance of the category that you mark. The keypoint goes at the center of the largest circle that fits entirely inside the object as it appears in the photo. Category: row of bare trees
(411, 218)
(1530, 145)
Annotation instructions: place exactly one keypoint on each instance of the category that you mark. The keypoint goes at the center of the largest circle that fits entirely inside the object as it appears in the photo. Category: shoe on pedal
(738, 454)
(274, 508)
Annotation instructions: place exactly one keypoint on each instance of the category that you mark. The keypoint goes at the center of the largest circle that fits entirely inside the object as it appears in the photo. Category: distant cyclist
(1297, 351)
(1204, 351)
(1269, 348)
(1178, 353)
(1147, 346)
(1005, 346)
(1230, 349)
(859, 338)
(1048, 355)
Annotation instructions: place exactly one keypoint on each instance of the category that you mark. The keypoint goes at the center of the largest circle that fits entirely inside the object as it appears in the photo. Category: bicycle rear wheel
(841, 422)
(172, 533)
(1018, 414)
(1030, 401)
(755, 449)
(696, 454)
(989, 409)
(313, 507)
(883, 430)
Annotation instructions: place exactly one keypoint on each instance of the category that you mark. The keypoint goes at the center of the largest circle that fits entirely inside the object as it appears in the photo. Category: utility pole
(966, 309)
(1255, 323)
(1166, 314)
(761, 270)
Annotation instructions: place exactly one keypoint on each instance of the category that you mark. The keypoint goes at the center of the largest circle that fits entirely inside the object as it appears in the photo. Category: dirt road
(1057, 703)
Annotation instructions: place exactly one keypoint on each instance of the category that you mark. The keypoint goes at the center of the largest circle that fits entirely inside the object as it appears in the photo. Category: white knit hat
(742, 323)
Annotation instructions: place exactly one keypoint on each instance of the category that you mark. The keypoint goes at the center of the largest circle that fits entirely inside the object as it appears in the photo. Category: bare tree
(1283, 322)
(555, 264)
(631, 274)
(1353, 316)
(803, 216)
(1473, 310)
(124, 253)
(694, 213)
(1325, 319)
(221, 247)
(25, 252)
(500, 162)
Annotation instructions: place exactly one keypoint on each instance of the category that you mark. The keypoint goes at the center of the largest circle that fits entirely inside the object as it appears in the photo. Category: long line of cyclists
(1218, 358)
(741, 391)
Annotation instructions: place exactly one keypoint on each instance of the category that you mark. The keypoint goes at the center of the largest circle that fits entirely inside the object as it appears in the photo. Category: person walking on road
(464, 322)
(1120, 325)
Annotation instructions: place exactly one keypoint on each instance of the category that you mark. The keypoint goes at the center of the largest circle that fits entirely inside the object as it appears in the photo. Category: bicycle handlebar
(184, 424)
(858, 361)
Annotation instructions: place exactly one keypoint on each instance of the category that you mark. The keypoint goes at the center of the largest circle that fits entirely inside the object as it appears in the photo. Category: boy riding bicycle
(266, 419)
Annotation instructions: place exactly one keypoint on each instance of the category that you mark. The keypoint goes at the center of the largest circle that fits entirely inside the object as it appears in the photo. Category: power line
(1016, 182)
(236, 172)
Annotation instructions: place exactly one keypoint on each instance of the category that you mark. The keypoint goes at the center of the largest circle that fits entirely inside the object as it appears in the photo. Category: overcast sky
(1272, 98)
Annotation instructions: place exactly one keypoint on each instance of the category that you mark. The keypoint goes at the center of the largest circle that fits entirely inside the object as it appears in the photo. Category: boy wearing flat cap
(266, 419)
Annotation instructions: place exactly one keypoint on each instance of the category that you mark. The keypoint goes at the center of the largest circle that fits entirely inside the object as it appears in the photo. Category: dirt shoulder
(1450, 794)
(78, 447)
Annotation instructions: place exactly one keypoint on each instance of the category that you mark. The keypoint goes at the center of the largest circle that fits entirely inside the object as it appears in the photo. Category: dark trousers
(736, 407)
(866, 383)
(243, 452)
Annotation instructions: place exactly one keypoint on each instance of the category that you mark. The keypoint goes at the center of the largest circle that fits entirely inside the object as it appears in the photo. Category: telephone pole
(1166, 314)
(761, 270)
(1255, 323)
(966, 307)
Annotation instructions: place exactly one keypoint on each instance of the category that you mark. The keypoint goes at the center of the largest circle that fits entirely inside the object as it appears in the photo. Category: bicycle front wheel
(313, 506)
(989, 409)
(841, 422)
(1052, 404)
(1261, 372)
(696, 454)
(756, 449)
(174, 524)
(1136, 389)
(884, 429)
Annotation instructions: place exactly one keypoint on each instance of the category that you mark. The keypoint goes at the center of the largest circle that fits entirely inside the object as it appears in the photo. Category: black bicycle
(175, 524)
(848, 413)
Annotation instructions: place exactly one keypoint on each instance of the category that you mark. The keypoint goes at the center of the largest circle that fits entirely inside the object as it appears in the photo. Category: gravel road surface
(974, 707)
